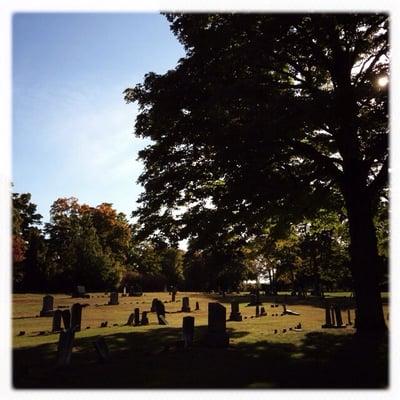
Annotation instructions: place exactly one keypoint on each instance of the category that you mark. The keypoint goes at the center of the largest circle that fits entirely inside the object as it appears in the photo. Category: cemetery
(91, 344)
(253, 249)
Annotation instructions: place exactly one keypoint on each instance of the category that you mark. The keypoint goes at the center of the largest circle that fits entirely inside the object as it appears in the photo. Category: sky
(73, 133)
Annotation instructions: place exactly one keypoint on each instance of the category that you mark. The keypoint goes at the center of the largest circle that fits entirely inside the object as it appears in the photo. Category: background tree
(28, 244)
(268, 115)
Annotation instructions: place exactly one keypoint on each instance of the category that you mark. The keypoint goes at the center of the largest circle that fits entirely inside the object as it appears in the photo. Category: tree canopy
(267, 119)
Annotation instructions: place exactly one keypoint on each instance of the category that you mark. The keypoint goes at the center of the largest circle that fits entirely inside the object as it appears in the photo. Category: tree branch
(380, 179)
(325, 162)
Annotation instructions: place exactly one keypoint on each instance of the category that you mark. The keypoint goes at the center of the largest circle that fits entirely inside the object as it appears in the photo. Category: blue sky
(72, 131)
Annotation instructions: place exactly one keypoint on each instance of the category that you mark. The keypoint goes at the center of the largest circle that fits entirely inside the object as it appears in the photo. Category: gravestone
(101, 349)
(197, 306)
(137, 316)
(349, 317)
(145, 320)
(216, 334)
(64, 349)
(47, 307)
(185, 305)
(113, 299)
(130, 320)
(262, 311)
(76, 317)
(235, 314)
(80, 292)
(333, 316)
(173, 296)
(257, 310)
(124, 292)
(153, 305)
(66, 317)
(160, 311)
(328, 321)
(56, 321)
(339, 321)
(188, 330)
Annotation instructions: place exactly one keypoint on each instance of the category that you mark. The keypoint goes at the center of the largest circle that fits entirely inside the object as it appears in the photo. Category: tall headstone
(137, 317)
(153, 305)
(66, 317)
(216, 334)
(328, 321)
(160, 310)
(145, 319)
(262, 311)
(124, 291)
(197, 306)
(339, 321)
(47, 307)
(185, 305)
(76, 316)
(349, 317)
(65, 344)
(235, 314)
(188, 330)
(113, 299)
(56, 321)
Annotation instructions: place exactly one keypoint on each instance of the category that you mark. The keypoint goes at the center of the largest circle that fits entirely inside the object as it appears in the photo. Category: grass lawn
(256, 357)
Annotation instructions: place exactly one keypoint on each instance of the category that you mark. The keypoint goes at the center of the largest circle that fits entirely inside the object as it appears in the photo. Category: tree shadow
(150, 359)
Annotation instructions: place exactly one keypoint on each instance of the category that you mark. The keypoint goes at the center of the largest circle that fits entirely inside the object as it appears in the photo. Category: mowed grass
(146, 356)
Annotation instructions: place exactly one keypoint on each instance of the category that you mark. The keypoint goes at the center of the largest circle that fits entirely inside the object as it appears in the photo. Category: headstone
(339, 321)
(137, 316)
(235, 314)
(328, 321)
(160, 310)
(66, 317)
(130, 320)
(333, 316)
(197, 306)
(47, 307)
(216, 334)
(349, 317)
(262, 311)
(173, 296)
(104, 324)
(56, 321)
(145, 320)
(153, 305)
(80, 292)
(76, 317)
(188, 330)
(124, 292)
(65, 344)
(101, 349)
(113, 299)
(257, 310)
(185, 305)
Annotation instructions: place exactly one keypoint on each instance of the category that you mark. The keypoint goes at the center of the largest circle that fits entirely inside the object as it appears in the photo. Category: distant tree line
(98, 247)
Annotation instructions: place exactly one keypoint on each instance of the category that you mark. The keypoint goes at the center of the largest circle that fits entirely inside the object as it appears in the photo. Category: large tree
(269, 116)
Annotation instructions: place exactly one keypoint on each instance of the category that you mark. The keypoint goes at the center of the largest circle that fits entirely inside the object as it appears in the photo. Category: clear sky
(72, 131)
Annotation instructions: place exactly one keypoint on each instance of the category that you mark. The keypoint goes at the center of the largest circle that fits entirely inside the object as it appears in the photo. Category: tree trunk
(364, 262)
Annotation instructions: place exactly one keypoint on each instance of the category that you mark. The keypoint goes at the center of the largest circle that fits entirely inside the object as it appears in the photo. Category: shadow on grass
(139, 360)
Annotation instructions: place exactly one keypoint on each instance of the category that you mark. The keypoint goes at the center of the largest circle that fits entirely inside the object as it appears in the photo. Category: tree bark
(364, 262)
